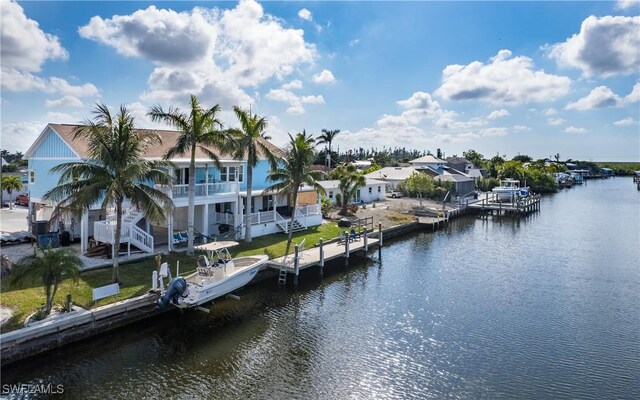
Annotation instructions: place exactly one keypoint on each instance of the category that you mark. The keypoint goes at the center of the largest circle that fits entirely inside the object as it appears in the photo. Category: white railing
(299, 216)
(201, 189)
(311, 209)
(141, 239)
(222, 187)
(262, 217)
(104, 231)
(283, 223)
(224, 218)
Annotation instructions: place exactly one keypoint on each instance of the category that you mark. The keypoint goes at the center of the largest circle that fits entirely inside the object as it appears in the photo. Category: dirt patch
(390, 212)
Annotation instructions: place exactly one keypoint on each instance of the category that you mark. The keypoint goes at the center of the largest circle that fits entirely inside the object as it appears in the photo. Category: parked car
(23, 199)
(393, 194)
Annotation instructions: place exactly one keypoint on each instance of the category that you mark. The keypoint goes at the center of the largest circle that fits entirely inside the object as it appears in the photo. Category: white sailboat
(217, 274)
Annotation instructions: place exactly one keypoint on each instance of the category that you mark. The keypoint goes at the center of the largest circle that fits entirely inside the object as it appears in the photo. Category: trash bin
(65, 239)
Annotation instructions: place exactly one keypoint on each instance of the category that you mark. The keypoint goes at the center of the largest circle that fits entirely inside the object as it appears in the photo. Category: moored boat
(510, 189)
(217, 274)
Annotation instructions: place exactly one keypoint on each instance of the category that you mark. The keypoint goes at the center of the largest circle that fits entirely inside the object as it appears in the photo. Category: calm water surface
(546, 306)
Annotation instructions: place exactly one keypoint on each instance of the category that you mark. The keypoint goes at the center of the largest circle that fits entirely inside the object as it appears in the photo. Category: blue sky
(535, 78)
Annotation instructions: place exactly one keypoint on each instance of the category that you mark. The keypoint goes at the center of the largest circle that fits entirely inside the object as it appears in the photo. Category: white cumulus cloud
(505, 79)
(324, 77)
(626, 122)
(24, 45)
(605, 46)
(573, 129)
(294, 84)
(212, 53)
(295, 102)
(66, 101)
(600, 97)
(498, 114)
(305, 14)
(624, 4)
(634, 96)
(555, 121)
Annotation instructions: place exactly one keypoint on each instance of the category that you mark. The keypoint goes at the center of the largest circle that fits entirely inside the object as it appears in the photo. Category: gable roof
(427, 159)
(169, 138)
(458, 160)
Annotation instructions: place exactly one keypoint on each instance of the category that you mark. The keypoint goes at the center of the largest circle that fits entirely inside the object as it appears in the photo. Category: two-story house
(220, 196)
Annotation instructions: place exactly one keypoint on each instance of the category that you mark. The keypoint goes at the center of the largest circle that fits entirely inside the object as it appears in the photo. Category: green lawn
(136, 277)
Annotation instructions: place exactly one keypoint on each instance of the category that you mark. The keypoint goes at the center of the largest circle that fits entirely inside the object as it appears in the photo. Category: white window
(228, 174)
(379, 190)
(331, 194)
(32, 176)
(370, 190)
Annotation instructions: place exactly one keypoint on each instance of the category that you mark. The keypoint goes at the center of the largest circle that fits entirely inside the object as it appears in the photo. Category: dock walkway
(312, 256)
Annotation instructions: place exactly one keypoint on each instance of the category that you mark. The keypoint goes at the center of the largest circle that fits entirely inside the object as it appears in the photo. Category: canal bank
(81, 324)
(544, 306)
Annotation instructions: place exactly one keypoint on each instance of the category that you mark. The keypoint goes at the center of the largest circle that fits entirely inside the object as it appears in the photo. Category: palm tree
(199, 129)
(115, 171)
(250, 142)
(11, 183)
(327, 137)
(350, 181)
(294, 171)
(49, 267)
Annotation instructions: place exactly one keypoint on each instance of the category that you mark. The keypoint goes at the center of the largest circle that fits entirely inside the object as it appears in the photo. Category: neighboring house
(4, 162)
(428, 162)
(464, 184)
(460, 164)
(220, 195)
(391, 176)
(374, 190)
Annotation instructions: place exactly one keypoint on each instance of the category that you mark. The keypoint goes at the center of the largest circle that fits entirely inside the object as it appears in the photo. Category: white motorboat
(510, 189)
(217, 274)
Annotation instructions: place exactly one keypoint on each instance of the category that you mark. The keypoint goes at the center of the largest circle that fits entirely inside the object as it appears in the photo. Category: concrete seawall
(82, 324)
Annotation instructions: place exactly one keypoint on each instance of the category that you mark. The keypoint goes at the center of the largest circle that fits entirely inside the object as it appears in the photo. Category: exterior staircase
(104, 231)
(294, 225)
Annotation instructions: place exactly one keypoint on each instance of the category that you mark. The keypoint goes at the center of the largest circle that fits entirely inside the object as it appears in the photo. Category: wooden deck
(311, 257)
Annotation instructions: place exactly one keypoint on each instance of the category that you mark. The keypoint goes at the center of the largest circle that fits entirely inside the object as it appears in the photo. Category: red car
(23, 199)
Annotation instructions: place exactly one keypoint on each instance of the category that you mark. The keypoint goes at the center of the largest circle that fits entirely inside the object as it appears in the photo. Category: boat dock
(491, 203)
(318, 254)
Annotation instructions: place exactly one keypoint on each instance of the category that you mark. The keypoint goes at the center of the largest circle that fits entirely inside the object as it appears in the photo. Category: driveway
(14, 220)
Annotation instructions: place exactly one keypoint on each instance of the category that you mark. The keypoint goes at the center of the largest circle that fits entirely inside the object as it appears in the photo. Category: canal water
(544, 306)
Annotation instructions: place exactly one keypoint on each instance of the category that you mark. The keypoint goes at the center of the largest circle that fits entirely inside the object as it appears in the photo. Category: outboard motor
(177, 288)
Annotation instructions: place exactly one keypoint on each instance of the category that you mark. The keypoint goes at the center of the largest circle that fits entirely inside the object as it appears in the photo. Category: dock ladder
(282, 277)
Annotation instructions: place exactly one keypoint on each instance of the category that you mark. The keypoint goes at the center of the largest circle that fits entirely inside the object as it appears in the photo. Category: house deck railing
(201, 189)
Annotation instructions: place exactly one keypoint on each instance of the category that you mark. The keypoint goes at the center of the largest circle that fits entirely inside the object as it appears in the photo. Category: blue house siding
(45, 180)
(260, 173)
(53, 147)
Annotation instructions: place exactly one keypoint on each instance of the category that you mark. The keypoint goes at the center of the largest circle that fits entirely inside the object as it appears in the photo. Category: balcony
(201, 189)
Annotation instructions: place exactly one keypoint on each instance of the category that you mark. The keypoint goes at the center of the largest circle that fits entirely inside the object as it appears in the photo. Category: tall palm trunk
(192, 200)
(116, 242)
(293, 217)
(49, 302)
(247, 235)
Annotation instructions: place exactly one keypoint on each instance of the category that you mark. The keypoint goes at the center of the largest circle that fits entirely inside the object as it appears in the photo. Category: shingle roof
(169, 139)
(458, 160)
(392, 173)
